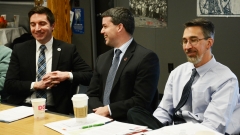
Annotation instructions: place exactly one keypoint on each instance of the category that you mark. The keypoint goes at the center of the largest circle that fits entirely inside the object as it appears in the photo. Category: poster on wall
(149, 13)
(218, 8)
(78, 21)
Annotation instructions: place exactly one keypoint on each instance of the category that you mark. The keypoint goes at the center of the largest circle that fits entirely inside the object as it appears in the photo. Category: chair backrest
(24, 37)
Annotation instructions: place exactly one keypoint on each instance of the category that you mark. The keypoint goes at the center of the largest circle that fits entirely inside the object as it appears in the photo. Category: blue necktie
(41, 71)
(185, 94)
(110, 77)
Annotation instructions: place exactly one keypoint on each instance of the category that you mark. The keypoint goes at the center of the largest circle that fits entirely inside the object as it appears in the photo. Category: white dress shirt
(48, 55)
(215, 93)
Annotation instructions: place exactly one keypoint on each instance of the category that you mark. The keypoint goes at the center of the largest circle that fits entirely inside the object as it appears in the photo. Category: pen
(96, 125)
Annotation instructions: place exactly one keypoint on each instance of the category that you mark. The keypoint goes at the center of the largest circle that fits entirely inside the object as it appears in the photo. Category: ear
(53, 25)
(120, 27)
(210, 43)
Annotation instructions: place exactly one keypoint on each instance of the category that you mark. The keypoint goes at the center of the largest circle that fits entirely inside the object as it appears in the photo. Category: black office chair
(24, 37)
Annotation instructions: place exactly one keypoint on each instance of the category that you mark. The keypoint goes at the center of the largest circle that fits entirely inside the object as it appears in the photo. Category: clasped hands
(103, 111)
(51, 79)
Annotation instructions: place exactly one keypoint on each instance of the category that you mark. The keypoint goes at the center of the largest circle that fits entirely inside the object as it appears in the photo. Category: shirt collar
(124, 47)
(48, 44)
(204, 68)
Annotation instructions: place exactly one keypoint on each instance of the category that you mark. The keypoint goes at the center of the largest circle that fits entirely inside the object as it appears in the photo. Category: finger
(45, 77)
(50, 86)
(47, 82)
(55, 82)
(54, 78)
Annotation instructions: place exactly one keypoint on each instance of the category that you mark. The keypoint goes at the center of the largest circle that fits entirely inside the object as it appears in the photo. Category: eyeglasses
(193, 41)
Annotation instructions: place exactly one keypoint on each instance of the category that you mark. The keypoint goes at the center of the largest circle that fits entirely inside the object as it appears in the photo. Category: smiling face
(41, 28)
(110, 31)
(199, 53)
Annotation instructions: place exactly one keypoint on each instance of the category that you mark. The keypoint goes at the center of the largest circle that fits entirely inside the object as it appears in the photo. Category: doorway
(100, 7)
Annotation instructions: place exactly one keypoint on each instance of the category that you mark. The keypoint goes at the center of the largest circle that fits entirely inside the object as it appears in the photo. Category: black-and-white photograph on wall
(149, 13)
(218, 8)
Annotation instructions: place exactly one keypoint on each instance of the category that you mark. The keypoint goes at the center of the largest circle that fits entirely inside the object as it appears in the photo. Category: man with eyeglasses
(211, 96)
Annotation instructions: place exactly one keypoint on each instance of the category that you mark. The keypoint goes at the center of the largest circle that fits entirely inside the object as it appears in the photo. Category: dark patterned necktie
(110, 77)
(41, 71)
(185, 94)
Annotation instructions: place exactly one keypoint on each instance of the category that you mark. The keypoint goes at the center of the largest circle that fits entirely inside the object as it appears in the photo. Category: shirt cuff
(109, 110)
(71, 76)
(32, 84)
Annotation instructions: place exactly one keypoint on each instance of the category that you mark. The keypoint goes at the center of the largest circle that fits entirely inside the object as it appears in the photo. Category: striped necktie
(41, 71)
(110, 77)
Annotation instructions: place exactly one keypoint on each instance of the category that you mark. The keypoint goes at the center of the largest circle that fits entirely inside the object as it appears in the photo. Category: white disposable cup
(10, 25)
(4, 16)
(16, 20)
(16, 24)
(80, 107)
(38, 105)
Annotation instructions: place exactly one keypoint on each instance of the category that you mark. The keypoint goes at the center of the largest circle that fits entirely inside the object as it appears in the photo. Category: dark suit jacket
(135, 83)
(22, 72)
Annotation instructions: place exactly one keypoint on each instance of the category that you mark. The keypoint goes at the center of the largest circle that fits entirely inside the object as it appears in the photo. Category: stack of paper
(15, 113)
(116, 128)
(184, 129)
(71, 127)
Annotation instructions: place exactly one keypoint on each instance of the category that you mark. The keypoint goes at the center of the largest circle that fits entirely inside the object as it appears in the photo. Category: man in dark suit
(64, 68)
(136, 78)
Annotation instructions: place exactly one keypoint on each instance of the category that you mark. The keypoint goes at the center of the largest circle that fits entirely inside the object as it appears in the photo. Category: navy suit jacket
(135, 83)
(22, 72)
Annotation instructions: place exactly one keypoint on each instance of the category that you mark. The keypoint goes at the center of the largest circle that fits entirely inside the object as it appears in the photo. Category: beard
(195, 59)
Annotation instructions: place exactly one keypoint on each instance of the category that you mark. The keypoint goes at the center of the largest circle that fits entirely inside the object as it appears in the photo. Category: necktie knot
(117, 52)
(42, 48)
(194, 72)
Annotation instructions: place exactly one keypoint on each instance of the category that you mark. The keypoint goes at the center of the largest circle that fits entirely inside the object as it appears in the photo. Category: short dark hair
(42, 10)
(121, 15)
(206, 26)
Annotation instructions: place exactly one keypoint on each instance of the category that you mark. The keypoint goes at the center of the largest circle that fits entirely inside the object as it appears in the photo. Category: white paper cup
(10, 25)
(16, 24)
(38, 105)
(16, 20)
(4, 16)
(80, 107)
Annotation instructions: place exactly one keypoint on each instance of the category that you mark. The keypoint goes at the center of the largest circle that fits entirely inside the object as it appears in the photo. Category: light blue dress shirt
(215, 94)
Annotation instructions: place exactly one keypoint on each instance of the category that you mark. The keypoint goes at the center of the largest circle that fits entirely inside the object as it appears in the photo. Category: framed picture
(218, 8)
(149, 13)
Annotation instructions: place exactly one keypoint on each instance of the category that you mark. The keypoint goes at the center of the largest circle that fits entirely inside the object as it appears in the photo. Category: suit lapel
(124, 61)
(107, 63)
(32, 58)
(56, 50)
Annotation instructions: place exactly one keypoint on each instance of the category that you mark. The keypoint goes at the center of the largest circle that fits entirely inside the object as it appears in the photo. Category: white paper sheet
(15, 113)
(70, 126)
(182, 129)
(116, 128)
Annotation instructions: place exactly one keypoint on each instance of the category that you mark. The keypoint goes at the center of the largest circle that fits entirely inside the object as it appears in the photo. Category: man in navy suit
(137, 75)
(65, 69)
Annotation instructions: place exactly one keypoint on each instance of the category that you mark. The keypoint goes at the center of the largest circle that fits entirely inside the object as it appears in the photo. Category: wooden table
(29, 125)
